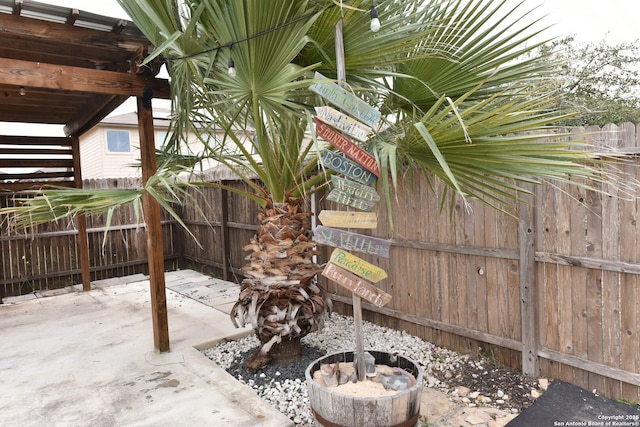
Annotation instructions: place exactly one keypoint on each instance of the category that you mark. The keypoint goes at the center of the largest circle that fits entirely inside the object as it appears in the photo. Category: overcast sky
(588, 20)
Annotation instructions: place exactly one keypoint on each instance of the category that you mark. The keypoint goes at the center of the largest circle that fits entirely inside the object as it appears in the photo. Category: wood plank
(530, 361)
(344, 144)
(341, 164)
(35, 140)
(343, 123)
(347, 199)
(351, 241)
(36, 163)
(353, 283)
(62, 77)
(357, 266)
(345, 100)
(344, 219)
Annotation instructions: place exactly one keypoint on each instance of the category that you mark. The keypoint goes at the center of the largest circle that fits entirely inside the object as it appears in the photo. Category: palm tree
(463, 101)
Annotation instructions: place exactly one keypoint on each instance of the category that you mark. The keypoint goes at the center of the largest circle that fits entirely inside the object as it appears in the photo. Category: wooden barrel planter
(333, 409)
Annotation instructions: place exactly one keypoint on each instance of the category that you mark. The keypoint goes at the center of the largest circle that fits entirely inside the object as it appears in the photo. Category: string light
(232, 68)
(375, 22)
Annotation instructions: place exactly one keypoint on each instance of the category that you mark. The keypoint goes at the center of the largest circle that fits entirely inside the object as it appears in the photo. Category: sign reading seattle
(351, 241)
(343, 144)
(345, 100)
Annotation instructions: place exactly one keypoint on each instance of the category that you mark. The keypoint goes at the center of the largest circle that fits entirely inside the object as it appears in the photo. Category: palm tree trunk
(280, 297)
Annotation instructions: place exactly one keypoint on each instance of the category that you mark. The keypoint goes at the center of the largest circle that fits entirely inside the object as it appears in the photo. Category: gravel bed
(284, 386)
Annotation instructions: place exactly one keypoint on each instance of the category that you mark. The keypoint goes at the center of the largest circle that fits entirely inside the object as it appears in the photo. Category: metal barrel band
(326, 423)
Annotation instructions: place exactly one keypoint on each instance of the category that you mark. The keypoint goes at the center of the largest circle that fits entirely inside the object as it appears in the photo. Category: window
(118, 141)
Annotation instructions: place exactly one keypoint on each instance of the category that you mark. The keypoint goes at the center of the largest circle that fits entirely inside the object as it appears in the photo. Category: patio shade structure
(72, 68)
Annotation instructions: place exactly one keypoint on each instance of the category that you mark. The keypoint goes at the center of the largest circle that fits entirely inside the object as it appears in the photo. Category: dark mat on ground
(564, 405)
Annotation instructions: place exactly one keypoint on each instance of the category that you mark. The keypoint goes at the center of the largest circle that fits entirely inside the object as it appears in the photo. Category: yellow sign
(357, 266)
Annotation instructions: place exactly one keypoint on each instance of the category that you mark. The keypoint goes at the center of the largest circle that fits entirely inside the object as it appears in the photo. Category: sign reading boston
(345, 145)
(356, 285)
(344, 99)
(339, 163)
(351, 241)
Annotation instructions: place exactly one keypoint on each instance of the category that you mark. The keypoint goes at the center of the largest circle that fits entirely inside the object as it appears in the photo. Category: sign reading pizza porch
(356, 285)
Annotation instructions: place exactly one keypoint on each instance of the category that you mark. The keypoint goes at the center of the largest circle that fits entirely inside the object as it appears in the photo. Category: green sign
(339, 163)
(346, 101)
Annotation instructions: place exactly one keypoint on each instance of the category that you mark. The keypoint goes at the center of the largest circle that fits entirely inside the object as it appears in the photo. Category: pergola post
(152, 219)
(81, 220)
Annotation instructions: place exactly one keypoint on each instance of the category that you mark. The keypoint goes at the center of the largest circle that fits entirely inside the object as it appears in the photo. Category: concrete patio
(72, 358)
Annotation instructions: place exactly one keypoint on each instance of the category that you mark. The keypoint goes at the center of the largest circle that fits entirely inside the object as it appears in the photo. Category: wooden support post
(530, 361)
(224, 226)
(357, 321)
(153, 223)
(81, 220)
(357, 302)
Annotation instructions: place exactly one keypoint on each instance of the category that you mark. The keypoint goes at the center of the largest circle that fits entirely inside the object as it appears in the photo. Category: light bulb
(375, 22)
(232, 68)
(375, 25)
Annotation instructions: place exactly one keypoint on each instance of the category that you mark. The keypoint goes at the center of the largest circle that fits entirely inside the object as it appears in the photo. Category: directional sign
(356, 285)
(357, 266)
(344, 219)
(347, 199)
(346, 100)
(354, 189)
(345, 145)
(339, 163)
(343, 123)
(351, 241)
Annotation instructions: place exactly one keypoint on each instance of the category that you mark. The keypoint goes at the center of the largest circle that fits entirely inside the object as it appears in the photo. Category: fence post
(530, 362)
(224, 231)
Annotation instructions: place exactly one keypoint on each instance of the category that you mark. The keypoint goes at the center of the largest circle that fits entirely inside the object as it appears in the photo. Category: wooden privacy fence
(556, 291)
(47, 257)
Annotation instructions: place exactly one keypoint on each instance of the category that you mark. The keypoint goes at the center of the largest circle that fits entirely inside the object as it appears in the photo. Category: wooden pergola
(68, 67)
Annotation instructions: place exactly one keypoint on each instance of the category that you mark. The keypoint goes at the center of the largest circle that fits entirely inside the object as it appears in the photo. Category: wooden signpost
(359, 287)
(347, 146)
(357, 266)
(351, 241)
(344, 219)
(343, 123)
(339, 163)
(346, 101)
